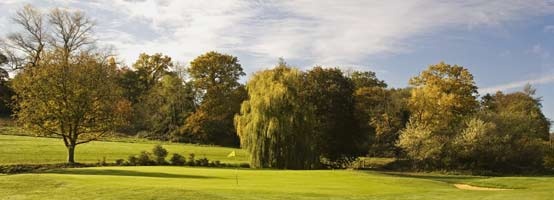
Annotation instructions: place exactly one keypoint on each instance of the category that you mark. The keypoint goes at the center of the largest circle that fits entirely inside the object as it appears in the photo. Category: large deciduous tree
(216, 77)
(442, 97)
(169, 103)
(76, 99)
(339, 136)
(276, 124)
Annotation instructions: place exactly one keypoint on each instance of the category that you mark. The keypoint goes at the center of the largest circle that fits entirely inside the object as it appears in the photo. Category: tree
(151, 68)
(339, 136)
(382, 113)
(169, 103)
(215, 76)
(366, 79)
(443, 96)
(78, 101)
(6, 92)
(276, 124)
(68, 32)
(508, 134)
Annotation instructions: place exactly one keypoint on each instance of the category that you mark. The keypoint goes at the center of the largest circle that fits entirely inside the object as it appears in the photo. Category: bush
(132, 160)
(191, 160)
(119, 162)
(159, 154)
(177, 159)
(145, 159)
(204, 162)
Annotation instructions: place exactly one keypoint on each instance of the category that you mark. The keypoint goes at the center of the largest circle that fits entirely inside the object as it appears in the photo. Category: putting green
(204, 183)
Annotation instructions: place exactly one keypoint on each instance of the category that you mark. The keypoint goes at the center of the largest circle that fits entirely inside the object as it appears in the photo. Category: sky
(504, 43)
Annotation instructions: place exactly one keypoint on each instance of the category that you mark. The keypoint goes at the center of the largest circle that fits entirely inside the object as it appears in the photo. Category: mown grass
(40, 150)
(163, 182)
(204, 183)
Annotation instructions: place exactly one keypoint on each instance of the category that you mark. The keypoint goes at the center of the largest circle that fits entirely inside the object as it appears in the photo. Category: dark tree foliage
(339, 136)
(363, 79)
(6, 92)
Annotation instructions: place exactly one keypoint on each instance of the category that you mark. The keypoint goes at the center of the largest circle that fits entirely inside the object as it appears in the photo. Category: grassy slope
(27, 150)
(203, 183)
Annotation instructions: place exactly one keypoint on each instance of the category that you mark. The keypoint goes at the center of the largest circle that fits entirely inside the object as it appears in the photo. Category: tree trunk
(71, 154)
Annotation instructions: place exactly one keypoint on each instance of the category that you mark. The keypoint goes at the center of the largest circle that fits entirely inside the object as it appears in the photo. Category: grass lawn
(164, 182)
(35, 150)
(205, 183)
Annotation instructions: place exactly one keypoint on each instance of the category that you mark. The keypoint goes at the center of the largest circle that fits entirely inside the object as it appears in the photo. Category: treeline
(286, 118)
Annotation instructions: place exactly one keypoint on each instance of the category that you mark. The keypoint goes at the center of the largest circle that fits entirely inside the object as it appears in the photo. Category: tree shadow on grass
(116, 172)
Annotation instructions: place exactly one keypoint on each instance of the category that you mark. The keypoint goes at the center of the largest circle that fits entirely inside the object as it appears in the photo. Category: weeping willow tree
(275, 124)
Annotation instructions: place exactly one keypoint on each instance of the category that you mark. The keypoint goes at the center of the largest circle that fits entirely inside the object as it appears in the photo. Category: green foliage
(151, 68)
(77, 99)
(177, 160)
(509, 134)
(168, 104)
(382, 114)
(421, 145)
(442, 96)
(145, 159)
(339, 137)
(366, 79)
(159, 154)
(216, 77)
(276, 123)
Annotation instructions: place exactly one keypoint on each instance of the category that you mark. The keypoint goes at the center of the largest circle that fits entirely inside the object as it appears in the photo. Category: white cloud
(546, 79)
(314, 32)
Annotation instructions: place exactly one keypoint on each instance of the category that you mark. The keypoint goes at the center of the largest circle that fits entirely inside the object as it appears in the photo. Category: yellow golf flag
(232, 154)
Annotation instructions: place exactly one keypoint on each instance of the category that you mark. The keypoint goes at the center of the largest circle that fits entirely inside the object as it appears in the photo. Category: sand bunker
(469, 187)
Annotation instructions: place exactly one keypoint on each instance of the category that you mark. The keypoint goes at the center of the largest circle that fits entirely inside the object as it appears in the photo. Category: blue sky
(504, 43)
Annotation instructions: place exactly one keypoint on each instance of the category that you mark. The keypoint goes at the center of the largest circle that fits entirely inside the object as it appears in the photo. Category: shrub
(177, 159)
(191, 160)
(119, 162)
(159, 154)
(132, 160)
(145, 159)
(204, 162)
